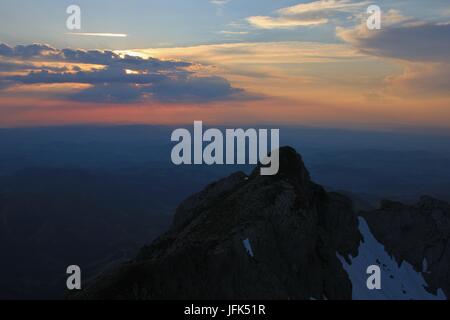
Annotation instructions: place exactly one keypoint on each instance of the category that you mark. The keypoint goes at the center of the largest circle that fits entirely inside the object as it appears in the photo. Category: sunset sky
(225, 62)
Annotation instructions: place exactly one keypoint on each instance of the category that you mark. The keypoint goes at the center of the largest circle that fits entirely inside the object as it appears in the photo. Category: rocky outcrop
(418, 234)
(246, 237)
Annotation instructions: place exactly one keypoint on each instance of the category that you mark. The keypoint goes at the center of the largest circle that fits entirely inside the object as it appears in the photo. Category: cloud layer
(422, 48)
(402, 38)
(111, 77)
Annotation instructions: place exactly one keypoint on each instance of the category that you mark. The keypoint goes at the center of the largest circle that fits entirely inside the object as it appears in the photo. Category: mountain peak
(291, 164)
(283, 229)
(292, 170)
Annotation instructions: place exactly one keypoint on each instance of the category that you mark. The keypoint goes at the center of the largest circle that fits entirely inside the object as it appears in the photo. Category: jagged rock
(418, 234)
(256, 237)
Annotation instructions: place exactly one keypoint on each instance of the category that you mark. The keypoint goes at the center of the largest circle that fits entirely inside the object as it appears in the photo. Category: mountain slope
(418, 234)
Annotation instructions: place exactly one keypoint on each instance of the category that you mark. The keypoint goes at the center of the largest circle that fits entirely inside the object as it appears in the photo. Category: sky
(236, 62)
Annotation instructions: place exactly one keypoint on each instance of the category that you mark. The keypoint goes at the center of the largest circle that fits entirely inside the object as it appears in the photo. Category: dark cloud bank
(424, 48)
(423, 43)
(166, 81)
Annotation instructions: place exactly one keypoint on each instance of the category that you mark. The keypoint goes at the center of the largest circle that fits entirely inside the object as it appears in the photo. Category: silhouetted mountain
(256, 237)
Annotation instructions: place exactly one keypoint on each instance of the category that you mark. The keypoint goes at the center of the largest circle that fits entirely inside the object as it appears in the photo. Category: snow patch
(248, 247)
(397, 282)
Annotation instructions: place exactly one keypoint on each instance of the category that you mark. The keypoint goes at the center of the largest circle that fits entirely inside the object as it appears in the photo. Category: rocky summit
(246, 237)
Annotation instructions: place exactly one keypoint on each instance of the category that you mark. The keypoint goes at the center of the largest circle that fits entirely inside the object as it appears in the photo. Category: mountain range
(285, 237)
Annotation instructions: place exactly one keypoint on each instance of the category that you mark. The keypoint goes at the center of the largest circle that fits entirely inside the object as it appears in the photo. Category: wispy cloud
(264, 22)
(274, 68)
(90, 34)
(227, 32)
(220, 4)
(259, 53)
(305, 14)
